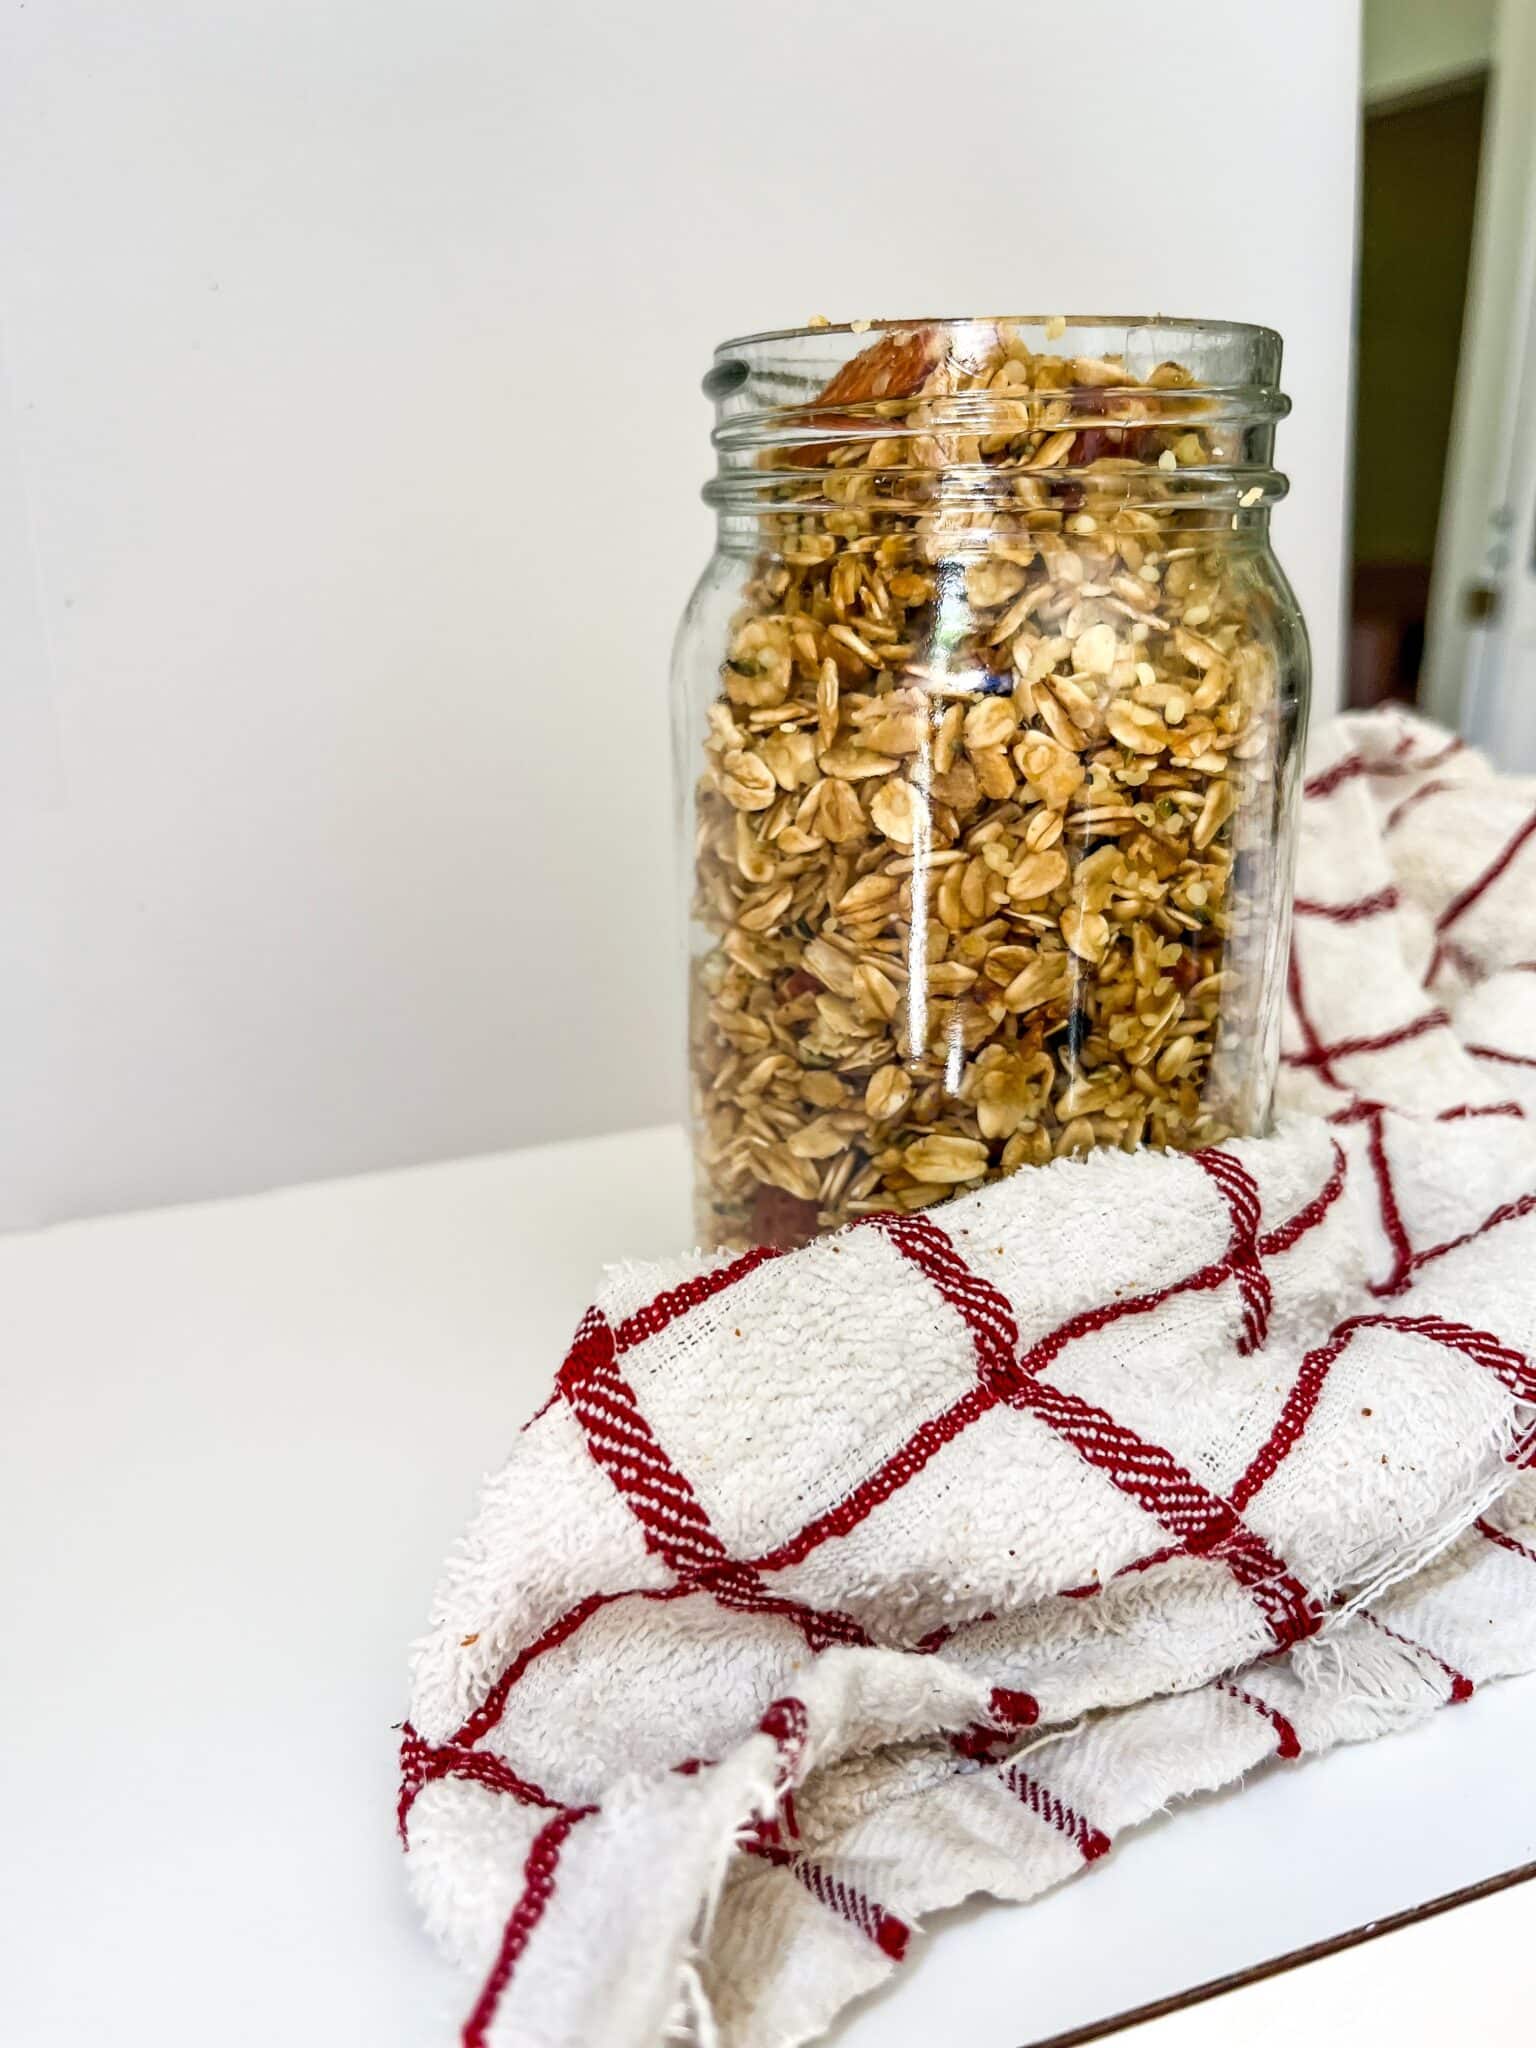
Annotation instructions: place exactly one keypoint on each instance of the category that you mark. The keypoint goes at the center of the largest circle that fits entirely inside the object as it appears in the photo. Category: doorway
(1419, 180)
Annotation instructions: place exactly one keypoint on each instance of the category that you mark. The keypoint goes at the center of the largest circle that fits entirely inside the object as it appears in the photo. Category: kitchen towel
(833, 1586)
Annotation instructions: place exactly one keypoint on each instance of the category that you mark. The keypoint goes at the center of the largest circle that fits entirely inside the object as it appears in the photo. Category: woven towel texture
(830, 1588)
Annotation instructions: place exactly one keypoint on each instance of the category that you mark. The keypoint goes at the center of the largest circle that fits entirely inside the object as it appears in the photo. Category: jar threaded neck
(1015, 415)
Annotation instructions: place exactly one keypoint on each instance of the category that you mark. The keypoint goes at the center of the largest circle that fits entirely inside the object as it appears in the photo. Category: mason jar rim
(1131, 321)
(785, 393)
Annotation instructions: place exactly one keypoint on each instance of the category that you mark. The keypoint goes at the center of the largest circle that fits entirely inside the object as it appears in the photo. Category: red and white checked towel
(832, 1587)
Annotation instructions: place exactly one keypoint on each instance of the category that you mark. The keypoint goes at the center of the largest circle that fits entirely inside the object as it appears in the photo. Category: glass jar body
(988, 798)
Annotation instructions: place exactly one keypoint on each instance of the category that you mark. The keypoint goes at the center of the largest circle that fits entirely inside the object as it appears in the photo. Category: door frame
(1476, 513)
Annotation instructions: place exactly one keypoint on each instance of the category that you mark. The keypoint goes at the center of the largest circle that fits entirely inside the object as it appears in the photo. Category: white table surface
(236, 1441)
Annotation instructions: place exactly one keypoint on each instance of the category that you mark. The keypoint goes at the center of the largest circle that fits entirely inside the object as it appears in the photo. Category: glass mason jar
(989, 712)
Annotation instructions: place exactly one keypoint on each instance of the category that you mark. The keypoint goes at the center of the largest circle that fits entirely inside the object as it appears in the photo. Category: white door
(1480, 658)
(1499, 705)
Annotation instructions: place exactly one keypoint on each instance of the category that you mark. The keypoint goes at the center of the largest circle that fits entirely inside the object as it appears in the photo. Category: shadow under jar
(989, 712)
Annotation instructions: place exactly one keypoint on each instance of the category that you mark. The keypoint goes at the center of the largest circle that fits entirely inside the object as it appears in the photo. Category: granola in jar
(991, 710)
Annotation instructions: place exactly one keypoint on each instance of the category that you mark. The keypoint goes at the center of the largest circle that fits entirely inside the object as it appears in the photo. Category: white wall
(1411, 44)
(354, 353)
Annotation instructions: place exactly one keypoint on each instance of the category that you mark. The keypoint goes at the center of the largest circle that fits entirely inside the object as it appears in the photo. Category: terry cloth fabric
(829, 1588)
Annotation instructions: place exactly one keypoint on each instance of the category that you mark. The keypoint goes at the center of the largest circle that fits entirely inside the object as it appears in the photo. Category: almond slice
(895, 366)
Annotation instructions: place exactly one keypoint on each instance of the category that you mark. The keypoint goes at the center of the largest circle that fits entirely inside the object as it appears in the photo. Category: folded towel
(833, 1586)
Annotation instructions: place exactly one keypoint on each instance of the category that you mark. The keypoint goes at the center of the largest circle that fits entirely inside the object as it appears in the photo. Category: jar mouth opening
(1050, 325)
